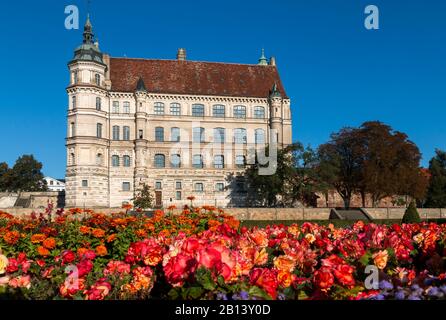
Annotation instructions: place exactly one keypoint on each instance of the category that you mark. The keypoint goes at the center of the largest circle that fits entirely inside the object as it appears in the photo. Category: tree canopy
(25, 175)
(436, 193)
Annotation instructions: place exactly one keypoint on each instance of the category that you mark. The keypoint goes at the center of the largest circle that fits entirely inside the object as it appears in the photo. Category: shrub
(411, 215)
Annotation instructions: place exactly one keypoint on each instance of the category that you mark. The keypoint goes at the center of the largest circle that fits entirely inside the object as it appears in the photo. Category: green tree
(411, 215)
(292, 181)
(144, 198)
(436, 193)
(25, 175)
(4, 169)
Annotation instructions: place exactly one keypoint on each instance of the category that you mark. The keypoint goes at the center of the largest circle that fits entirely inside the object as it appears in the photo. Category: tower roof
(262, 60)
(88, 50)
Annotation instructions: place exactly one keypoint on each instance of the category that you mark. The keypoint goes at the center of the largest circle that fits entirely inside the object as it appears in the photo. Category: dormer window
(97, 79)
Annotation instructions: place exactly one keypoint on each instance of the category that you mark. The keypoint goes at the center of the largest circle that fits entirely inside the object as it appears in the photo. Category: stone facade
(117, 107)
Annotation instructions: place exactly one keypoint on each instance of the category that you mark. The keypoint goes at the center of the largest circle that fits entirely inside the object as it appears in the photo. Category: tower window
(98, 104)
(97, 79)
(126, 133)
(72, 129)
(75, 77)
(73, 102)
(99, 130)
(140, 134)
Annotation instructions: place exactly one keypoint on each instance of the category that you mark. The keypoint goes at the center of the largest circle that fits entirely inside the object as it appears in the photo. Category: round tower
(276, 114)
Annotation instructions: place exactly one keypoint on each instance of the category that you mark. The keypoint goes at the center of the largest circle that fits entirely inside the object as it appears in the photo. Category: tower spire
(262, 60)
(88, 31)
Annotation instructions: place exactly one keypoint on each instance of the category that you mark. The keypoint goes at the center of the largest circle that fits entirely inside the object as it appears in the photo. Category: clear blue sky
(336, 72)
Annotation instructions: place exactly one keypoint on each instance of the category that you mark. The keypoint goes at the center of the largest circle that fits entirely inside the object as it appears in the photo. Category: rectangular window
(240, 161)
(84, 183)
(178, 185)
(75, 77)
(219, 135)
(126, 133)
(126, 186)
(218, 111)
(240, 135)
(239, 112)
(175, 109)
(219, 162)
(220, 186)
(126, 107)
(197, 161)
(259, 112)
(73, 101)
(178, 195)
(99, 130)
(158, 185)
(199, 187)
(98, 104)
(140, 134)
(175, 134)
(73, 129)
(115, 107)
(159, 134)
(115, 132)
(198, 110)
(158, 108)
(198, 134)
(97, 79)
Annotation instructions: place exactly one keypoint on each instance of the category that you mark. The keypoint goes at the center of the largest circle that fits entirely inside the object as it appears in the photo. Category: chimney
(272, 61)
(181, 54)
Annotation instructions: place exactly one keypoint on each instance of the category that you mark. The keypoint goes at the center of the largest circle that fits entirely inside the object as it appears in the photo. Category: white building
(54, 184)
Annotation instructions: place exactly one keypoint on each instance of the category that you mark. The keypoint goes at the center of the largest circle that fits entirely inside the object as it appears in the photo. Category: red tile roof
(195, 78)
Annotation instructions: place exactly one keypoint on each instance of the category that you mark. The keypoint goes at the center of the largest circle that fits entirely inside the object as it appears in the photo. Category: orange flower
(285, 279)
(98, 233)
(127, 206)
(43, 251)
(111, 238)
(84, 229)
(284, 263)
(380, 259)
(171, 207)
(81, 251)
(75, 210)
(141, 233)
(101, 250)
(11, 237)
(260, 257)
(49, 243)
(38, 238)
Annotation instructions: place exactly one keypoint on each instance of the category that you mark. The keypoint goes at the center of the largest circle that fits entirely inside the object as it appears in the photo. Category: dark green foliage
(436, 193)
(25, 175)
(144, 198)
(411, 215)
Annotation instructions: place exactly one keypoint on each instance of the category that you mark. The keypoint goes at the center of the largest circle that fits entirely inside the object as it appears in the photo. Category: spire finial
(88, 31)
(262, 60)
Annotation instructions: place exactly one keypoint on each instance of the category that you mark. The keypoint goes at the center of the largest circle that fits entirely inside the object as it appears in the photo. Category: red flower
(68, 256)
(265, 279)
(344, 274)
(179, 268)
(323, 279)
(98, 291)
(84, 267)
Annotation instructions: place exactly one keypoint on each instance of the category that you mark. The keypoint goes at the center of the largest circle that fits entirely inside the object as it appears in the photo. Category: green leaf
(257, 292)
(204, 278)
(364, 260)
(195, 292)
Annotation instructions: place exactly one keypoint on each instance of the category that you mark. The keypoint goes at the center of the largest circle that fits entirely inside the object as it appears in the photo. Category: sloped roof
(194, 78)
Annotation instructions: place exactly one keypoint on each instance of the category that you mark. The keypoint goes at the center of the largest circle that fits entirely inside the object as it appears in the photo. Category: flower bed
(205, 254)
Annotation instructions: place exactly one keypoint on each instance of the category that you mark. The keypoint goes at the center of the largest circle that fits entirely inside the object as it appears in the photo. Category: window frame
(157, 163)
(175, 109)
(199, 165)
(197, 184)
(99, 130)
(158, 108)
(220, 164)
(221, 134)
(240, 135)
(115, 106)
(116, 135)
(256, 112)
(172, 130)
(216, 111)
(195, 108)
(127, 183)
(239, 112)
(98, 103)
(126, 161)
(126, 133)
(172, 165)
(115, 161)
(159, 134)
(126, 107)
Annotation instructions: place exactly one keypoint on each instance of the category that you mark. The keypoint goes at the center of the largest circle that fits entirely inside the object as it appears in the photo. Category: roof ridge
(195, 61)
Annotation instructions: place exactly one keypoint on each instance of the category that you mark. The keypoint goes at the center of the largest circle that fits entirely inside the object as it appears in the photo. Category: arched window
(219, 162)
(218, 111)
(99, 159)
(115, 161)
(115, 132)
(175, 161)
(126, 133)
(175, 134)
(99, 130)
(219, 135)
(160, 161)
(198, 110)
(175, 109)
(198, 134)
(115, 107)
(197, 161)
(159, 134)
(126, 161)
(126, 107)
(98, 103)
(239, 112)
(259, 112)
(259, 136)
(240, 161)
(158, 108)
(97, 79)
(240, 135)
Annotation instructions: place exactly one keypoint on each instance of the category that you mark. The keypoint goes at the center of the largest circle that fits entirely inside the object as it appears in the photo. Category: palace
(135, 121)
